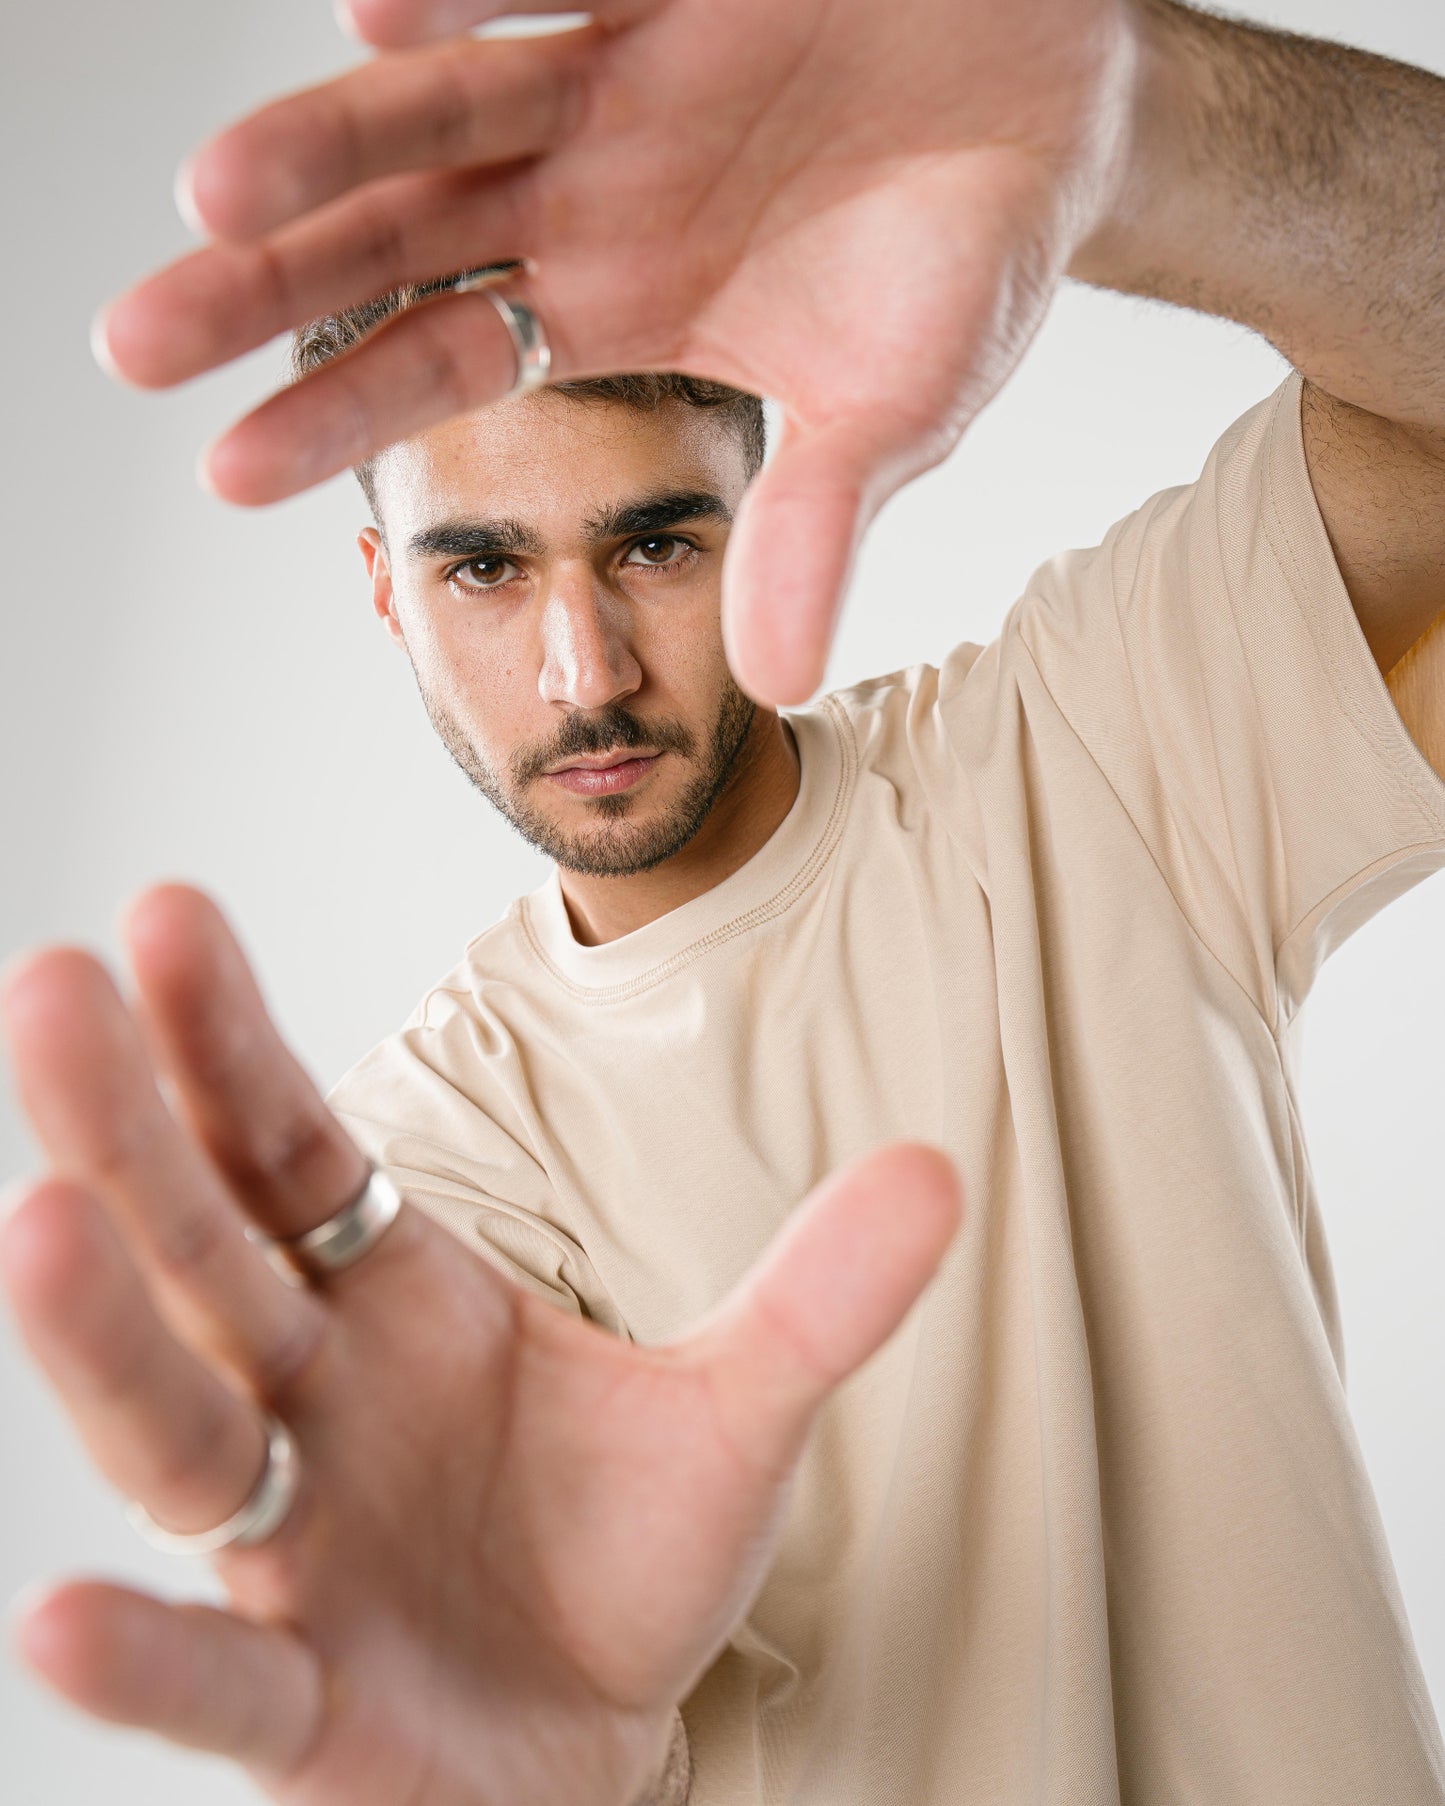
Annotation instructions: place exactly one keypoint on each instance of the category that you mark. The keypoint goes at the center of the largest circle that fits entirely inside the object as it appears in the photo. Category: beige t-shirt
(1093, 1527)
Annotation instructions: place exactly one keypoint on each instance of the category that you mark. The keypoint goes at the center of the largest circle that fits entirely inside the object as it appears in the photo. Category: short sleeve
(1209, 658)
(416, 1106)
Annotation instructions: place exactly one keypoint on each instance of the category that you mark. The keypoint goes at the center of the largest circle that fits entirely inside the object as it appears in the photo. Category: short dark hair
(319, 341)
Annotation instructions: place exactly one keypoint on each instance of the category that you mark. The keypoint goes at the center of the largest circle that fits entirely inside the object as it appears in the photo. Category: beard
(614, 845)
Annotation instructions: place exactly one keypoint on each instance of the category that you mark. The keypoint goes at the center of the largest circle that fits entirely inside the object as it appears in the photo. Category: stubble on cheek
(612, 843)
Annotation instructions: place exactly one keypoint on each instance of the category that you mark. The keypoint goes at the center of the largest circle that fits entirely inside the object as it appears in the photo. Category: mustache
(599, 731)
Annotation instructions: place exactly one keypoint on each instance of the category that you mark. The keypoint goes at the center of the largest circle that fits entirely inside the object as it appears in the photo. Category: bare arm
(1299, 188)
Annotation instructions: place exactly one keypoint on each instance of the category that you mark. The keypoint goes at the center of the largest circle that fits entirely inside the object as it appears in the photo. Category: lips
(592, 778)
(599, 762)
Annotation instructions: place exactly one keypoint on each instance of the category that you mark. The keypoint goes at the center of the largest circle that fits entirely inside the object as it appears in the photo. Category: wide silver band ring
(260, 1517)
(529, 338)
(342, 1239)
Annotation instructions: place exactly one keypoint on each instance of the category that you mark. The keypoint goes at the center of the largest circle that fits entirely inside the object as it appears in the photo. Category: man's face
(553, 569)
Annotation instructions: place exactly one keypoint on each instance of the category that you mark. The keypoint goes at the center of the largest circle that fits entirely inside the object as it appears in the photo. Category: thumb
(790, 555)
(825, 1295)
(393, 24)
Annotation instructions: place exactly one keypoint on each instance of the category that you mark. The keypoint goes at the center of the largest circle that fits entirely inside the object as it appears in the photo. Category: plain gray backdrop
(195, 691)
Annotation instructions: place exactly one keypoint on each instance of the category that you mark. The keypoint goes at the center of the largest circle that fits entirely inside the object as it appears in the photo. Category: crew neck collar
(763, 887)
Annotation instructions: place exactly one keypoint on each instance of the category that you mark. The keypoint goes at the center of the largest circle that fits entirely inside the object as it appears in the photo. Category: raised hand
(860, 210)
(518, 1540)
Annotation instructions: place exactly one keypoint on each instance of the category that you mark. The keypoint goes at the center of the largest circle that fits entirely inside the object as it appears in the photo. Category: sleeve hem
(1295, 532)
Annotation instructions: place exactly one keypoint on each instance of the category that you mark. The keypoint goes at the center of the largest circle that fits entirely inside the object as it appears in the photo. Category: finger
(434, 361)
(454, 106)
(240, 1088)
(87, 1085)
(191, 1673)
(390, 24)
(226, 299)
(790, 556)
(826, 1295)
(158, 1423)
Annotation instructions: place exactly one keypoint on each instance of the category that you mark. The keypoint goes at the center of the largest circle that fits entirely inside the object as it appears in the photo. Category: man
(1093, 1526)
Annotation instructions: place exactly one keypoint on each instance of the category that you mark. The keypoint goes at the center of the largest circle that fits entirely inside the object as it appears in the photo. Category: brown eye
(668, 540)
(469, 575)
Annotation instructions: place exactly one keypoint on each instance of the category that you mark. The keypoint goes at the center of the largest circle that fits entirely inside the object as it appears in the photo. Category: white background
(190, 690)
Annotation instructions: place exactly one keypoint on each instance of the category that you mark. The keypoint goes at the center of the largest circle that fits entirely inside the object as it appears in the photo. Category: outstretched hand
(859, 210)
(519, 1541)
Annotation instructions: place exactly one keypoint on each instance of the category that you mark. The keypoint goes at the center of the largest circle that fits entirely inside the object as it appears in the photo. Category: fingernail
(185, 195)
(345, 23)
(514, 25)
(203, 472)
(10, 969)
(212, 479)
(25, 1601)
(11, 1194)
(100, 344)
(32, 1637)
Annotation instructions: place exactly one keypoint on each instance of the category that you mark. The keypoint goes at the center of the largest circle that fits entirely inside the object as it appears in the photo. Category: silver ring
(261, 1516)
(529, 339)
(355, 1230)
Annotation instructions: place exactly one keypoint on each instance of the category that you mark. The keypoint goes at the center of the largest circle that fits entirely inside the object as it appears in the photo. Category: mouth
(603, 774)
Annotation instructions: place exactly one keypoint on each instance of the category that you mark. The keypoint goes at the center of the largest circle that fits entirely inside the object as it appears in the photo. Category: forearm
(1295, 186)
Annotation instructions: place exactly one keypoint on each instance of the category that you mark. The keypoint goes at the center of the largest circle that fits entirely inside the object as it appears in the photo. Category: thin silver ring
(260, 1517)
(528, 336)
(342, 1239)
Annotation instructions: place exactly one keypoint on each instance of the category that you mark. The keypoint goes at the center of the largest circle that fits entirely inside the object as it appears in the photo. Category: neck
(758, 794)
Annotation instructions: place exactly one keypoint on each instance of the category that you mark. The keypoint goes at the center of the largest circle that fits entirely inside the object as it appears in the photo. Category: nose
(587, 658)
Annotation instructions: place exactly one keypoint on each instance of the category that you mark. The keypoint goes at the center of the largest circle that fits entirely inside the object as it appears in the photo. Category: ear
(373, 554)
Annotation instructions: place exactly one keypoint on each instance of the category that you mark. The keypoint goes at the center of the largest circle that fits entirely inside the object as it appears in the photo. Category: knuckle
(121, 1145)
(273, 286)
(358, 434)
(218, 1043)
(342, 139)
(289, 1159)
(381, 244)
(191, 1245)
(523, 81)
(197, 1458)
(292, 1368)
(120, 1356)
(443, 373)
(453, 112)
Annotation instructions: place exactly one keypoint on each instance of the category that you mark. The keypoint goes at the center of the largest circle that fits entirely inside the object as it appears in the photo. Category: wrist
(1128, 237)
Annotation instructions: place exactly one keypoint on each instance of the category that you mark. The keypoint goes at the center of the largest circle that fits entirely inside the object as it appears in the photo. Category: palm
(553, 1531)
(832, 232)
(859, 211)
(519, 1541)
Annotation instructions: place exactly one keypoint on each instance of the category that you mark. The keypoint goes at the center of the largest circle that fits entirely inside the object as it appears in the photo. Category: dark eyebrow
(651, 513)
(493, 538)
(473, 539)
